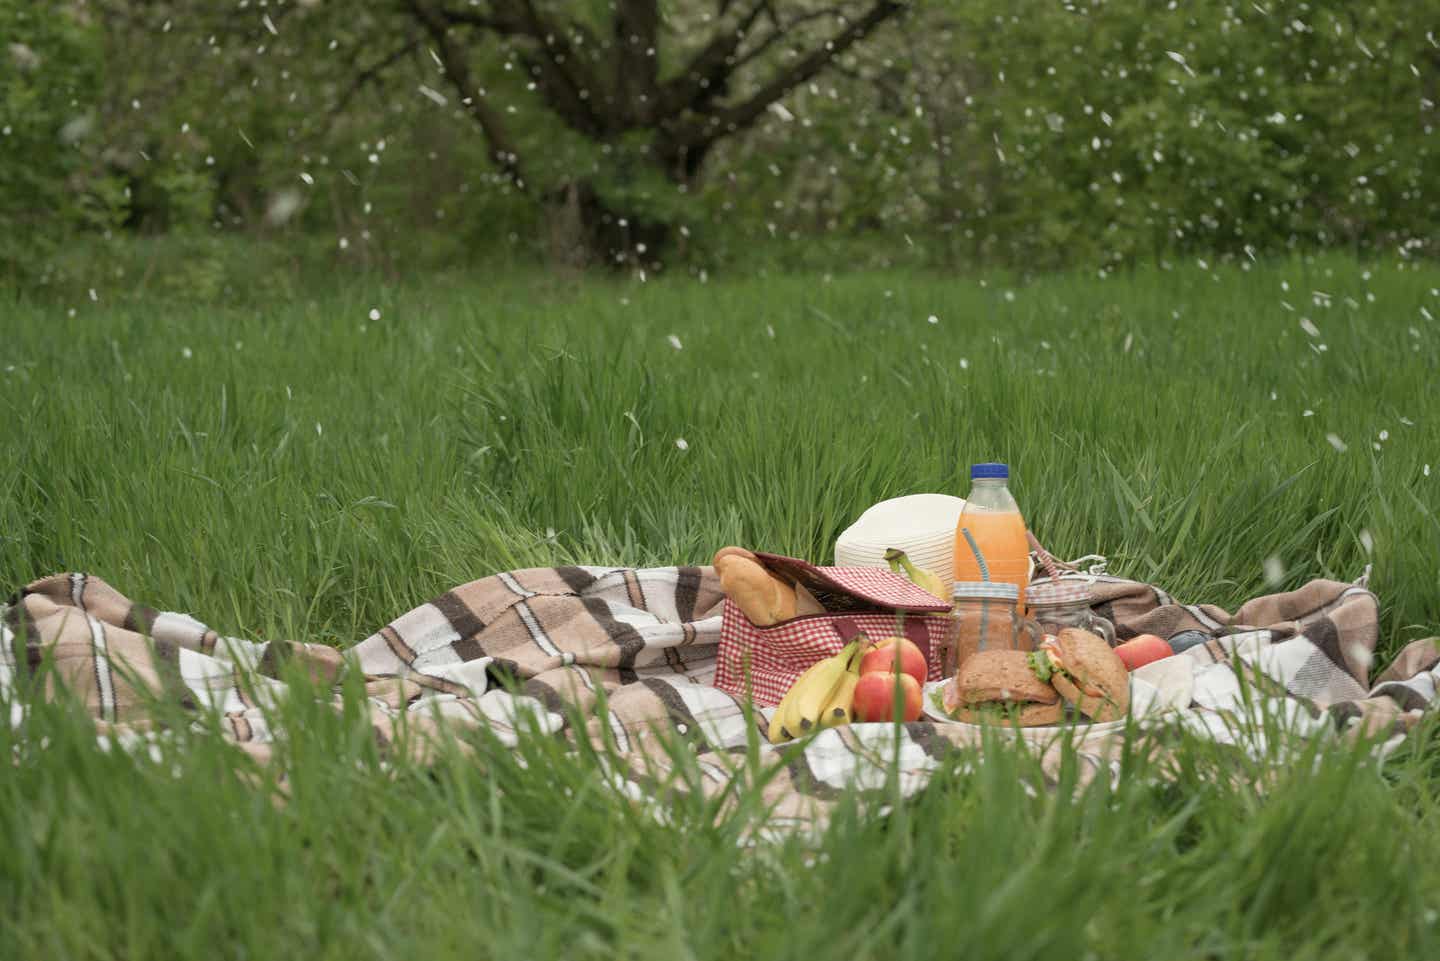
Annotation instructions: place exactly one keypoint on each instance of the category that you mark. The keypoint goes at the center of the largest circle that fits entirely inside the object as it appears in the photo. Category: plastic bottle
(993, 521)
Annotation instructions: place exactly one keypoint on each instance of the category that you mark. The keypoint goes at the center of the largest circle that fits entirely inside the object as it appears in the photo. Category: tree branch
(372, 73)
(637, 29)
(502, 148)
(702, 79)
(779, 32)
(561, 73)
(740, 116)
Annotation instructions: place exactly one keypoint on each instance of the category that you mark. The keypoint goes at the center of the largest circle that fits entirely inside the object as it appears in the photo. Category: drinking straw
(979, 557)
(985, 577)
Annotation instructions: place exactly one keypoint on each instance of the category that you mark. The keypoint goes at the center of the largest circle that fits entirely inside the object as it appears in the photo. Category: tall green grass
(299, 469)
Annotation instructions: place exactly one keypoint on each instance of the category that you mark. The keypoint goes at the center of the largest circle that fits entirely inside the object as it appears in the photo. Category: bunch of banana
(900, 562)
(821, 697)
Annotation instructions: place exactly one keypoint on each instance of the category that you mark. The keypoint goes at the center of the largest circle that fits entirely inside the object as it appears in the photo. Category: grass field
(310, 469)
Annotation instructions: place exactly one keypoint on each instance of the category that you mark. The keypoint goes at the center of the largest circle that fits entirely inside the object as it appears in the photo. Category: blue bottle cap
(1001, 471)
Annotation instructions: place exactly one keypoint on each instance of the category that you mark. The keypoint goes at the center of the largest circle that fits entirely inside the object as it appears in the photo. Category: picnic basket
(760, 663)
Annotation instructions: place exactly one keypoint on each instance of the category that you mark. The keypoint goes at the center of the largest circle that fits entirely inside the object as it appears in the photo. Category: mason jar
(985, 618)
(1065, 602)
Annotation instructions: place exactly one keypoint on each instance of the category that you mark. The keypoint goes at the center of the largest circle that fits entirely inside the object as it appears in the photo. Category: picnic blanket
(623, 655)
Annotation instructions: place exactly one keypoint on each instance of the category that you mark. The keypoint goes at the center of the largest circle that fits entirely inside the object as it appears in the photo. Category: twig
(371, 73)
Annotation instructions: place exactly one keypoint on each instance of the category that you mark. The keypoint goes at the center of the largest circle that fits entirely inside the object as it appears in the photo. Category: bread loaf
(761, 596)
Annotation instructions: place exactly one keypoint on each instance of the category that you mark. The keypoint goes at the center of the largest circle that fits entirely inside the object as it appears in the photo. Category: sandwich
(1000, 686)
(1086, 672)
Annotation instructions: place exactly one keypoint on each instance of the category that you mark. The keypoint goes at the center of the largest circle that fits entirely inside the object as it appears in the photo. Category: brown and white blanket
(624, 655)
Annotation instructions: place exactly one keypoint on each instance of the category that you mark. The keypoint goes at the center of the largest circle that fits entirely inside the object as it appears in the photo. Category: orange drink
(991, 523)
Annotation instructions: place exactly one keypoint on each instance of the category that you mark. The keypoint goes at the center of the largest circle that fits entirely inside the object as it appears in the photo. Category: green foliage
(1109, 131)
(1032, 135)
(52, 176)
(1213, 127)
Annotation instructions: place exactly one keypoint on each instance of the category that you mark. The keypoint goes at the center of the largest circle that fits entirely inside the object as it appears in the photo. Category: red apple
(884, 655)
(1139, 651)
(875, 697)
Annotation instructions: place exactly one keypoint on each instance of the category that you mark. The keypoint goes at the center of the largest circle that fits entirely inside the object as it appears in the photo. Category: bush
(52, 179)
(1110, 131)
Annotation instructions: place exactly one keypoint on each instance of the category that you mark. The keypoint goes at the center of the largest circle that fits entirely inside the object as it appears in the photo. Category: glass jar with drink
(985, 619)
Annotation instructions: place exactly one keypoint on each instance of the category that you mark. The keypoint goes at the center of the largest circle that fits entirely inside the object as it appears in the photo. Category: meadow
(310, 467)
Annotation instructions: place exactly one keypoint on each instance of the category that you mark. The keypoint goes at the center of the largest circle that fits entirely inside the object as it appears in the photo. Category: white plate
(1140, 705)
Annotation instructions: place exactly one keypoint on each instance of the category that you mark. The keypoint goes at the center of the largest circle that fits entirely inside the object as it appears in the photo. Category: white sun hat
(921, 525)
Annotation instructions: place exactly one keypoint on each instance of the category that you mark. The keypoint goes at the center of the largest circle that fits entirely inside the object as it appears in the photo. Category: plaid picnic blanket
(644, 642)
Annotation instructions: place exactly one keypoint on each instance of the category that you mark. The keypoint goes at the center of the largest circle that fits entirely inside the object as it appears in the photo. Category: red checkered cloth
(883, 587)
(761, 663)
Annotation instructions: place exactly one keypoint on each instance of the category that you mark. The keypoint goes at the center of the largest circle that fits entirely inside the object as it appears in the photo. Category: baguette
(761, 596)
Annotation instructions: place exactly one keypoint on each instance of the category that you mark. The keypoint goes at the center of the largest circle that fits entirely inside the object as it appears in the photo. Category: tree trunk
(582, 230)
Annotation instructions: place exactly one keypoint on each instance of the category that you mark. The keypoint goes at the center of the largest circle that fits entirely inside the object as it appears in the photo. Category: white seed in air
(933, 319)
(682, 443)
(1274, 570)
(1129, 339)
(674, 342)
(374, 313)
(1384, 435)
(1367, 541)
(1337, 443)
(964, 363)
(1360, 654)
(186, 352)
(1309, 327)
(318, 429)
(1308, 413)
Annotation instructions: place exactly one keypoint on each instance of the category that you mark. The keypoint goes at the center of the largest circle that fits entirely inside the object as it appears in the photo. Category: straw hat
(921, 525)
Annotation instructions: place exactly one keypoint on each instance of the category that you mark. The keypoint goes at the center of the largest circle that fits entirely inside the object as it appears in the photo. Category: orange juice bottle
(992, 519)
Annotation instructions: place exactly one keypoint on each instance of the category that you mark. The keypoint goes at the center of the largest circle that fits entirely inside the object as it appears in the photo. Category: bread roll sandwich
(1000, 686)
(1086, 672)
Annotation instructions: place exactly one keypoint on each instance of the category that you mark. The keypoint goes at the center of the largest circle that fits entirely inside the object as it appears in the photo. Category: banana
(837, 712)
(785, 723)
(927, 580)
(819, 698)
